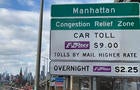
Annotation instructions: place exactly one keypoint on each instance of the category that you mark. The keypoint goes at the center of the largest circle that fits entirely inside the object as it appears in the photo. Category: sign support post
(94, 83)
(71, 82)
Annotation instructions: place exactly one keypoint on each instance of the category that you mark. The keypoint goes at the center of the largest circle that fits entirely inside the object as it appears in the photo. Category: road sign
(94, 68)
(95, 23)
(98, 36)
(105, 9)
(99, 45)
(59, 79)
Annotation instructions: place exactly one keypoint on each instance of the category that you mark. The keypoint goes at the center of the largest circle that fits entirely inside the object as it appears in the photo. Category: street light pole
(37, 77)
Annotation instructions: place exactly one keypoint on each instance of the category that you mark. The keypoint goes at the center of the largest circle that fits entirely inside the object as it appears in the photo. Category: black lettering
(55, 68)
(75, 35)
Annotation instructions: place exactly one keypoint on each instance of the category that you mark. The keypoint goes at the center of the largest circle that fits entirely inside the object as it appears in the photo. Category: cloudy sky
(19, 32)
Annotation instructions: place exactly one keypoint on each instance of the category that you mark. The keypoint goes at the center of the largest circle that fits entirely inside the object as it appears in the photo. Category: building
(42, 76)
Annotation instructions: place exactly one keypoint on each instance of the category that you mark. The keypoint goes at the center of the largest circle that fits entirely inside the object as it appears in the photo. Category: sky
(19, 23)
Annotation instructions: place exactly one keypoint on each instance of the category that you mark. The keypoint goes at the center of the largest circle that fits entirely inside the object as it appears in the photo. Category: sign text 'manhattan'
(90, 10)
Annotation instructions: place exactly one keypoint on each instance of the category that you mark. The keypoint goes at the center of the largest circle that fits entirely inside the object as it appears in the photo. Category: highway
(4, 88)
(7, 88)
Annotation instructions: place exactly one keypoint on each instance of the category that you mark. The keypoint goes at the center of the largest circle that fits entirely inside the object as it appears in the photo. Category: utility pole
(37, 76)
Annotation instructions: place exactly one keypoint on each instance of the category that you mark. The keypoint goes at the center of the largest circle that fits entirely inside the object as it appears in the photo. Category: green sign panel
(95, 23)
(106, 9)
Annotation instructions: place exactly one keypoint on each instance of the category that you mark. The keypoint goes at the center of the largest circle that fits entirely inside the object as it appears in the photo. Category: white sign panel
(94, 68)
(107, 45)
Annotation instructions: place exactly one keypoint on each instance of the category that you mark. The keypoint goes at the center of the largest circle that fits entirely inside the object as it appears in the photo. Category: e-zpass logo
(77, 45)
